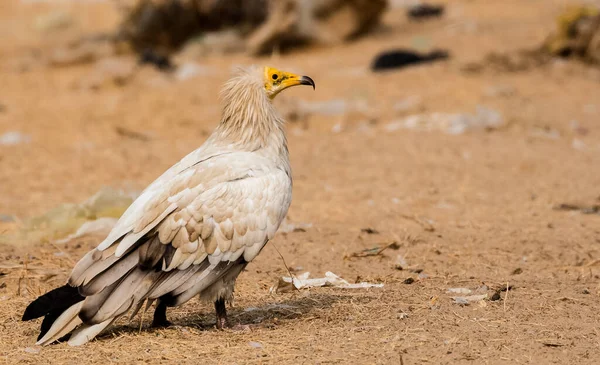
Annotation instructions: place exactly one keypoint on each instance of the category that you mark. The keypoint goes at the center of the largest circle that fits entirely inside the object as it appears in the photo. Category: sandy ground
(474, 210)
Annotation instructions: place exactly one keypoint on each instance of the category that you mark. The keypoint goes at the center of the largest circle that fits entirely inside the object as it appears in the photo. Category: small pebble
(256, 345)
(409, 281)
(459, 290)
(402, 315)
(578, 144)
(32, 350)
(14, 138)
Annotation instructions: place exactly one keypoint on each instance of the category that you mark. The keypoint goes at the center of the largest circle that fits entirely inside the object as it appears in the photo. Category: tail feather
(49, 319)
(82, 312)
(131, 288)
(64, 324)
(53, 303)
(87, 332)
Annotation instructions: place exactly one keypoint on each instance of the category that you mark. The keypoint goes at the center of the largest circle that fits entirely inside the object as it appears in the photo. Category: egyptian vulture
(194, 229)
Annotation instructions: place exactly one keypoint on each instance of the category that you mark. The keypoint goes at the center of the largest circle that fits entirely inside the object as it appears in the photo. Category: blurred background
(448, 144)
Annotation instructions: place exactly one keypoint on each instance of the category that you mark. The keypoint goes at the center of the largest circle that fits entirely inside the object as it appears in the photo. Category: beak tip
(305, 80)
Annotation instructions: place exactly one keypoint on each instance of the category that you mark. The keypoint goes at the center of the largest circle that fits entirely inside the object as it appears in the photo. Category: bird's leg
(221, 312)
(160, 314)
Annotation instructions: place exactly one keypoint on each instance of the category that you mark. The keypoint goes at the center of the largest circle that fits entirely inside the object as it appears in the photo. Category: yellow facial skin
(276, 81)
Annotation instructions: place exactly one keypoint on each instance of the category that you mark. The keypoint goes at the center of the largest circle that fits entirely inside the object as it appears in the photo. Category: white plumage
(194, 229)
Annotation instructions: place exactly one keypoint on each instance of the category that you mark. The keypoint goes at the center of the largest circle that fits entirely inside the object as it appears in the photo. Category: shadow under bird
(194, 229)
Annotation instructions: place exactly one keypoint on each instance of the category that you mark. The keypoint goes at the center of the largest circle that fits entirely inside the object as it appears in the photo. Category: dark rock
(399, 58)
(160, 61)
(423, 11)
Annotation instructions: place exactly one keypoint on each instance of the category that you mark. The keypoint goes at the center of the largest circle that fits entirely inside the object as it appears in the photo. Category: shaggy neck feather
(249, 120)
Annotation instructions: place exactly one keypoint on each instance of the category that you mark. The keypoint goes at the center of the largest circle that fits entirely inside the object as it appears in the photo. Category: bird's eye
(275, 76)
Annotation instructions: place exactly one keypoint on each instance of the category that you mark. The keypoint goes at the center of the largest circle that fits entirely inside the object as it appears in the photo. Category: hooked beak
(290, 79)
(305, 80)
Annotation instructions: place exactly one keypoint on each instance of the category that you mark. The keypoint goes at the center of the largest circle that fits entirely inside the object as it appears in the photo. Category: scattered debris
(402, 315)
(484, 119)
(433, 302)
(469, 299)
(375, 251)
(100, 227)
(14, 138)
(401, 264)
(505, 288)
(482, 289)
(582, 208)
(399, 58)
(497, 292)
(424, 11)
(302, 281)
(459, 291)
(124, 132)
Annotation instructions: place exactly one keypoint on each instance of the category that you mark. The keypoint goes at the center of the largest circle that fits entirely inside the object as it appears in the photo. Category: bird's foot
(222, 323)
(157, 323)
(221, 312)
